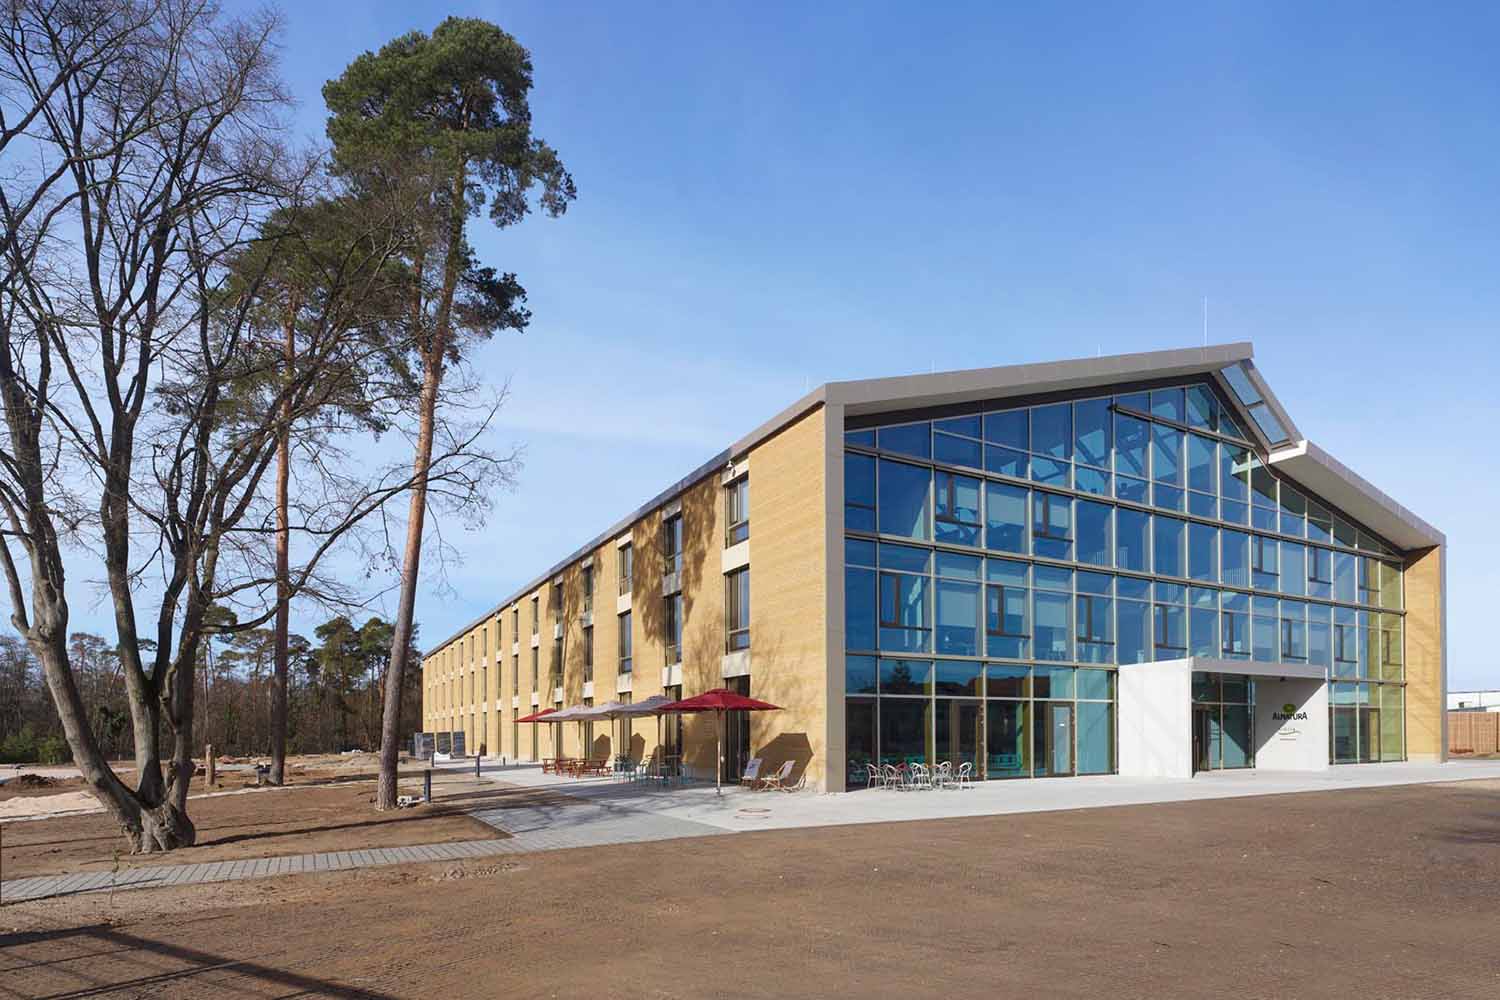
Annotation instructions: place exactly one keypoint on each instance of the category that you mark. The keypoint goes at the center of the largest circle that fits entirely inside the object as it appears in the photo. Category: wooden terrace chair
(752, 772)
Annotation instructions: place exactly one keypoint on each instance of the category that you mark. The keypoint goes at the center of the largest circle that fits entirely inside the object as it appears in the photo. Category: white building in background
(1474, 701)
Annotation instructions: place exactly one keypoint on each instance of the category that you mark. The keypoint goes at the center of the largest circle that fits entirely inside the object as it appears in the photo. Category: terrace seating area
(909, 776)
(576, 767)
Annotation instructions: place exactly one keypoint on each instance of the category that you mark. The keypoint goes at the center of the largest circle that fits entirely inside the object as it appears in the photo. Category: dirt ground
(334, 816)
(1377, 893)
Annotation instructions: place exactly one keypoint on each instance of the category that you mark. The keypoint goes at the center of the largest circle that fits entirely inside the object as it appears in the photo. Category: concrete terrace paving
(739, 810)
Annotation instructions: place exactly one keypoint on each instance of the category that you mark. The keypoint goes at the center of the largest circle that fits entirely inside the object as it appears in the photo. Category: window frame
(736, 618)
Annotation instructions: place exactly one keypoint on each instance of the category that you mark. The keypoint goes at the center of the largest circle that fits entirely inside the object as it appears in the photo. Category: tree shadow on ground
(100, 943)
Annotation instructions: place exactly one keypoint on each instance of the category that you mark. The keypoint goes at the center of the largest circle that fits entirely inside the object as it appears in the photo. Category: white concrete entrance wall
(1156, 706)
(1291, 724)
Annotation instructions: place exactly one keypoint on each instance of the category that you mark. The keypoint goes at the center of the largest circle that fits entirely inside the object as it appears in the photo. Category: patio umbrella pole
(719, 753)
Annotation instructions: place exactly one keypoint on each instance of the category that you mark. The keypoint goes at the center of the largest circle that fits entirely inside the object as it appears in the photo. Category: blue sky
(771, 197)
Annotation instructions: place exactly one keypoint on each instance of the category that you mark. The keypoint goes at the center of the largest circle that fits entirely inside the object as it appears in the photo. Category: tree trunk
(390, 727)
(432, 377)
(283, 587)
(149, 826)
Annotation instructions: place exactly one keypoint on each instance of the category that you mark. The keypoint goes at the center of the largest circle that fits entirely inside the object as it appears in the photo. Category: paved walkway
(579, 822)
(40, 886)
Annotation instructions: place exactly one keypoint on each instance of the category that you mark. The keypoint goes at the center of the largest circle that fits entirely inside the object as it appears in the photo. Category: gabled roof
(1231, 366)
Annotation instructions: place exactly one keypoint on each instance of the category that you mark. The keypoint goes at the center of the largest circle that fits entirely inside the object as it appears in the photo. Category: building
(1131, 564)
(1474, 701)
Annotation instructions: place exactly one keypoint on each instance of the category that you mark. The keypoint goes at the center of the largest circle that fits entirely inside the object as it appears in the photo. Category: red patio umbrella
(718, 701)
(537, 716)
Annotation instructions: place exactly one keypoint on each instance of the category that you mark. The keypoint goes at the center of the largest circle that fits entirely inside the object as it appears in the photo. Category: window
(1293, 639)
(671, 545)
(1095, 544)
(737, 610)
(627, 567)
(672, 628)
(958, 613)
(625, 643)
(1132, 441)
(1264, 571)
(1203, 552)
(515, 674)
(905, 617)
(1053, 639)
(1005, 518)
(588, 653)
(1168, 542)
(1005, 612)
(588, 590)
(1096, 632)
(536, 615)
(555, 602)
(556, 672)
(957, 510)
(1132, 528)
(904, 501)
(536, 668)
(859, 492)
(737, 511)
(1170, 631)
(1052, 525)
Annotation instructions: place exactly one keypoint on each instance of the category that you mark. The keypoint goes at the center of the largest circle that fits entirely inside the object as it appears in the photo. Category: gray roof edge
(981, 383)
(609, 534)
(1378, 504)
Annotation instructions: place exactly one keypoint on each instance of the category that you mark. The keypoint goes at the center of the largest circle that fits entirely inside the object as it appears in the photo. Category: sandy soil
(256, 824)
(63, 791)
(1366, 893)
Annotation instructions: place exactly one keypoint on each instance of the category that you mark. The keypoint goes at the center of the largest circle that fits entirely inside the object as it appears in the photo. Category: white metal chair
(920, 776)
(890, 777)
(965, 777)
(943, 776)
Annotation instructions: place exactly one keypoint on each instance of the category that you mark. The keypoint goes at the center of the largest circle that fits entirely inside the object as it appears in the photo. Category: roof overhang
(1340, 486)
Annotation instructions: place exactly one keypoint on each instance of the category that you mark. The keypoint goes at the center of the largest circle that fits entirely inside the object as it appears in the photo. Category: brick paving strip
(68, 883)
(545, 827)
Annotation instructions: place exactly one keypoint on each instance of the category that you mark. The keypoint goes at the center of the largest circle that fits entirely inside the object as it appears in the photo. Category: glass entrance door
(1205, 757)
(1053, 746)
(958, 733)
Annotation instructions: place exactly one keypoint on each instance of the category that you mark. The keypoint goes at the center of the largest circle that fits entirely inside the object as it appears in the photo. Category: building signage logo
(1289, 713)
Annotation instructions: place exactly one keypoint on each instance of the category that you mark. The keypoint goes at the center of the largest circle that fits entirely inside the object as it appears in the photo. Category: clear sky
(771, 197)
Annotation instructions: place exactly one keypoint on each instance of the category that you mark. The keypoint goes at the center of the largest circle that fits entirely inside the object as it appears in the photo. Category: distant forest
(335, 693)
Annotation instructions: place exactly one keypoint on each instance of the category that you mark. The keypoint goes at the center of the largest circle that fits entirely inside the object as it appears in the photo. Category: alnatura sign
(1289, 713)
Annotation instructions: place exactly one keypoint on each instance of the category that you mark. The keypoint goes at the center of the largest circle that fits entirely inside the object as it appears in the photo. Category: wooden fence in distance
(1474, 732)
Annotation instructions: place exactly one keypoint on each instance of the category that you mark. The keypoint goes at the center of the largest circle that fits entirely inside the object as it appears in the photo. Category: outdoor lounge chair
(777, 781)
(752, 772)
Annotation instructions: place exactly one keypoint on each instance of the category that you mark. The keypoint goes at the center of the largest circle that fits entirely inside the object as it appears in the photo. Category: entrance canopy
(1290, 721)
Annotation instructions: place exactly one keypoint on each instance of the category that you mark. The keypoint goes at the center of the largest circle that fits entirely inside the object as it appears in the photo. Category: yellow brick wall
(788, 598)
(788, 654)
(1425, 694)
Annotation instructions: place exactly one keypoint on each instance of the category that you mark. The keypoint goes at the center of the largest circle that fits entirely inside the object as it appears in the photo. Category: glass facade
(1000, 566)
